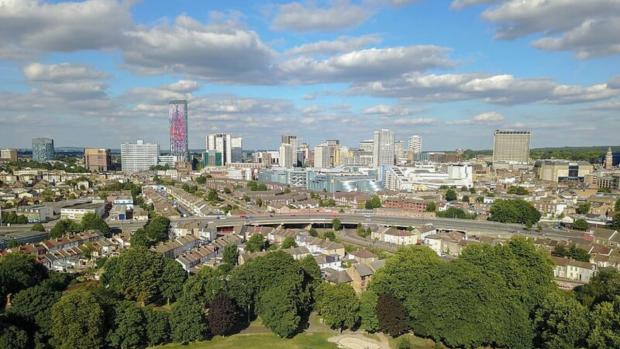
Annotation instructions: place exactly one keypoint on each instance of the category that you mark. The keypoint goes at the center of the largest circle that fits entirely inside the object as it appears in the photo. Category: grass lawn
(261, 341)
(416, 342)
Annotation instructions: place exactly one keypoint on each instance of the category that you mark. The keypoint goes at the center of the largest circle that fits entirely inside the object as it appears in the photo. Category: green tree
(255, 243)
(605, 320)
(157, 327)
(313, 232)
(231, 255)
(603, 287)
(13, 337)
(450, 195)
(368, 313)
(279, 311)
(136, 274)
(431, 206)
(201, 180)
(187, 321)
(392, 316)
(38, 227)
(17, 272)
(336, 224)
(338, 305)
(33, 305)
(223, 315)
(517, 190)
(465, 198)
(172, 278)
(560, 322)
(288, 243)
(330, 235)
(63, 227)
(581, 224)
(128, 330)
(615, 223)
(212, 196)
(514, 211)
(92, 221)
(454, 212)
(77, 321)
(157, 229)
(373, 202)
(617, 206)
(583, 208)
(361, 232)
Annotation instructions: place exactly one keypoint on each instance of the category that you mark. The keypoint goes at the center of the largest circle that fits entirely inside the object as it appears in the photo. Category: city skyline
(261, 71)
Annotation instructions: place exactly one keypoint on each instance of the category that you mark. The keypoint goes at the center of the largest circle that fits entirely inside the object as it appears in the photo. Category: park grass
(261, 341)
(416, 342)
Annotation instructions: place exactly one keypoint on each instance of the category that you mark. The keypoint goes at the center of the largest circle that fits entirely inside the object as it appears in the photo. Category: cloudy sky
(100, 72)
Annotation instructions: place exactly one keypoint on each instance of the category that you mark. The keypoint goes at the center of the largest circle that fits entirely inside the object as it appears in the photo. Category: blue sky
(100, 72)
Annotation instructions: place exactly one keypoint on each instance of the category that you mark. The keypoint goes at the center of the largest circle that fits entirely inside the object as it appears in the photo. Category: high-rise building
(383, 148)
(511, 146)
(236, 149)
(96, 159)
(139, 156)
(292, 140)
(366, 151)
(221, 142)
(43, 149)
(321, 156)
(415, 144)
(303, 154)
(334, 146)
(8, 155)
(609, 159)
(177, 115)
(286, 155)
(211, 158)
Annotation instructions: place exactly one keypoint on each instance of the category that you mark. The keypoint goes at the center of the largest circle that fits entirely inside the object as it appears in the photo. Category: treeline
(590, 154)
(501, 296)
(90, 221)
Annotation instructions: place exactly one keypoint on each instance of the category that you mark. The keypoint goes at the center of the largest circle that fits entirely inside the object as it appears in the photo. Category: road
(487, 228)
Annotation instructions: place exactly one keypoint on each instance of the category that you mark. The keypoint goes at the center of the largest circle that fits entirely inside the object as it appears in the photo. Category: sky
(98, 73)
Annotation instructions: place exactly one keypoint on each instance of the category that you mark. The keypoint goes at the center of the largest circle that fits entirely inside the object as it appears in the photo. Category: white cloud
(387, 110)
(496, 89)
(414, 122)
(488, 117)
(304, 17)
(365, 64)
(340, 45)
(588, 28)
(68, 80)
(459, 4)
(218, 52)
(29, 27)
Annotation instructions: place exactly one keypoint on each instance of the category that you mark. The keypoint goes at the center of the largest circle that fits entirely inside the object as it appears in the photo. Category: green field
(261, 341)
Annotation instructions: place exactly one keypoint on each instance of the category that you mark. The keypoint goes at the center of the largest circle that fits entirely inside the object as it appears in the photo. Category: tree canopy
(514, 211)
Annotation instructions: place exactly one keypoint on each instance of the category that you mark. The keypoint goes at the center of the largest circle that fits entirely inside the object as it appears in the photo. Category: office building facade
(236, 150)
(383, 148)
(8, 155)
(177, 115)
(221, 142)
(286, 155)
(321, 156)
(139, 156)
(292, 140)
(511, 146)
(96, 159)
(43, 149)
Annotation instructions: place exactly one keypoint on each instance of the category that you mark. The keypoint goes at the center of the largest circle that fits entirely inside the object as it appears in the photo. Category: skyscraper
(236, 149)
(511, 146)
(138, 156)
(609, 159)
(43, 149)
(383, 148)
(177, 115)
(286, 155)
(415, 144)
(97, 159)
(221, 142)
(292, 140)
(321, 156)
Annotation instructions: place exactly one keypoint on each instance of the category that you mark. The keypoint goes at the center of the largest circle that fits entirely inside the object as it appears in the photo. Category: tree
(223, 316)
(373, 202)
(212, 196)
(63, 227)
(338, 305)
(77, 321)
(560, 322)
(157, 327)
(517, 190)
(583, 208)
(13, 337)
(201, 180)
(368, 313)
(157, 229)
(514, 211)
(450, 195)
(617, 206)
(136, 274)
(38, 227)
(615, 223)
(605, 320)
(231, 255)
(454, 212)
(288, 243)
(361, 232)
(172, 278)
(336, 224)
(603, 287)
(33, 305)
(92, 221)
(581, 224)
(330, 235)
(392, 316)
(255, 243)
(313, 232)
(572, 252)
(187, 321)
(17, 272)
(431, 206)
(128, 330)
(279, 311)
